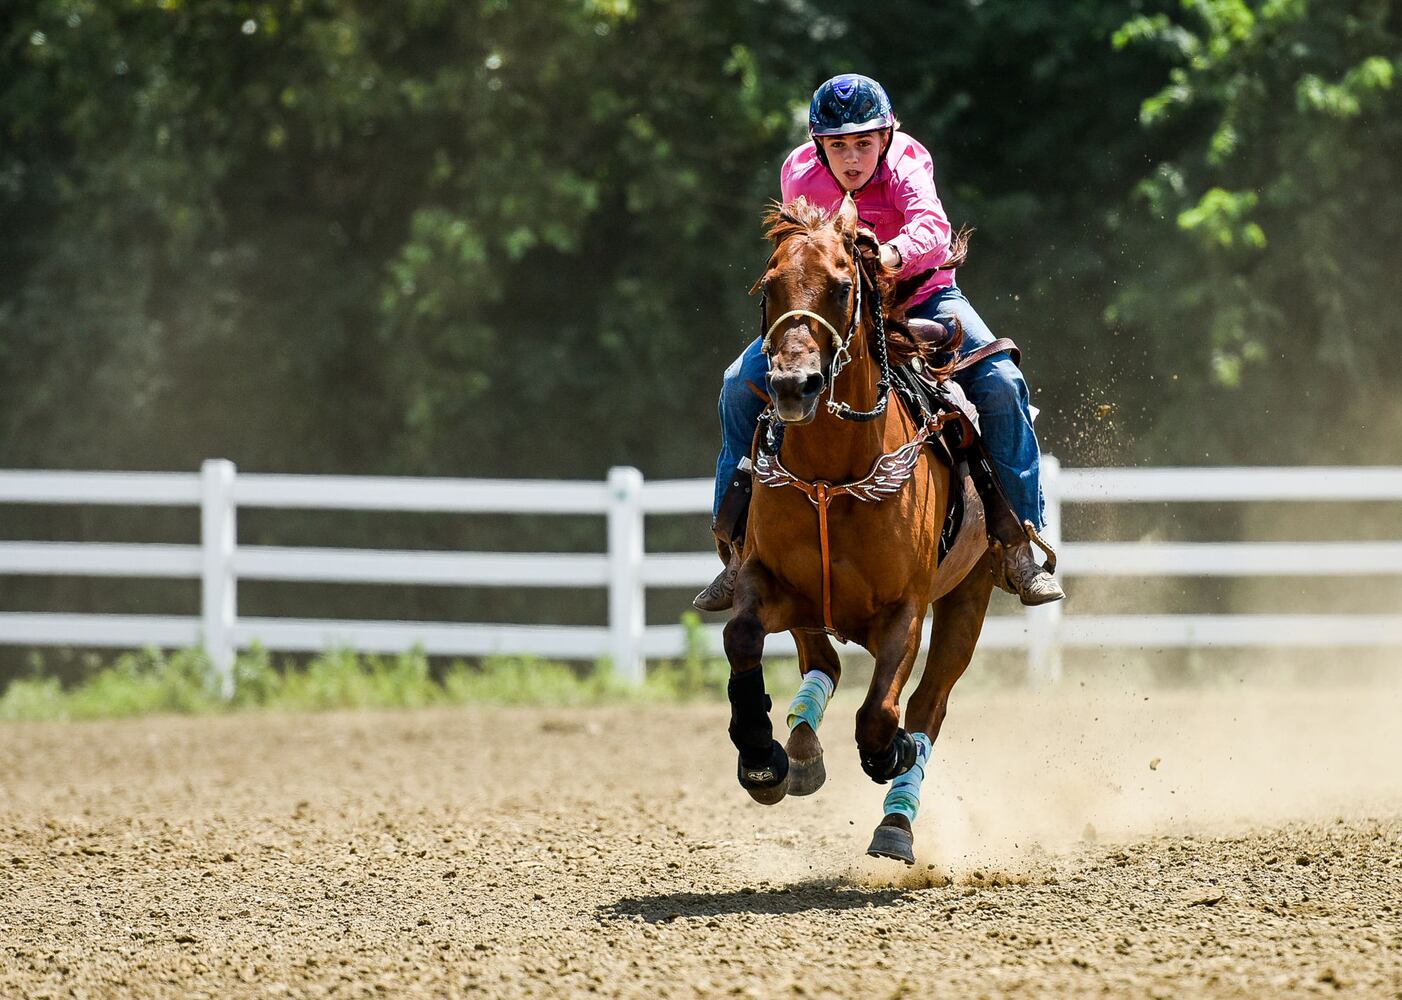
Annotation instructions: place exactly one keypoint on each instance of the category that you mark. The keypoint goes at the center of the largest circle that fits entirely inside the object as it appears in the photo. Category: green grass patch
(182, 681)
(134, 684)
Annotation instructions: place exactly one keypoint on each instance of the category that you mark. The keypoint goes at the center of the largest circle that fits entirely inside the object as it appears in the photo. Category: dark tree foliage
(1273, 226)
(474, 239)
(513, 237)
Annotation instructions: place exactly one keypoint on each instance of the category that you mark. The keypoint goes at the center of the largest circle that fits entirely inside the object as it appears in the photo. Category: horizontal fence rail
(451, 496)
(626, 570)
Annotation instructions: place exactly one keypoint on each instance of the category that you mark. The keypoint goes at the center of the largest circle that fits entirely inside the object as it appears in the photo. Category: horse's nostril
(813, 385)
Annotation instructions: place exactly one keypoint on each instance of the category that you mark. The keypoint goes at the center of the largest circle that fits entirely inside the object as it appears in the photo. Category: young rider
(856, 148)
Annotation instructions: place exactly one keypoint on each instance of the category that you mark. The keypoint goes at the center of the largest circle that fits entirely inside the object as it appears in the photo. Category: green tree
(410, 237)
(1275, 224)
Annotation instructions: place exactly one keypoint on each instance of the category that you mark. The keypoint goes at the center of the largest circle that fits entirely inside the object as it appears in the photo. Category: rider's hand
(890, 257)
(868, 246)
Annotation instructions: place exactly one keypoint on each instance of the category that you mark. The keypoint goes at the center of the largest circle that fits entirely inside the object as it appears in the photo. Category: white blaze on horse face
(795, 373)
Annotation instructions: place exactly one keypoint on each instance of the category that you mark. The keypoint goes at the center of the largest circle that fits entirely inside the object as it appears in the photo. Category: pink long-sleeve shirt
(899, 203)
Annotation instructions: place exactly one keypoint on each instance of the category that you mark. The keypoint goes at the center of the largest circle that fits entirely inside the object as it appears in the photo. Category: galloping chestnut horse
(844, 529)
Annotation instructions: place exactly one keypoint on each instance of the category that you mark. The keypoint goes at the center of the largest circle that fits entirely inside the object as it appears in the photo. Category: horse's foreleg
(957, 623)
(886, 750)
(821, 669)
(763, 767)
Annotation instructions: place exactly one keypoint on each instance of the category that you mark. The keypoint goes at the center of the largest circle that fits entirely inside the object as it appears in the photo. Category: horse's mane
(784, 220)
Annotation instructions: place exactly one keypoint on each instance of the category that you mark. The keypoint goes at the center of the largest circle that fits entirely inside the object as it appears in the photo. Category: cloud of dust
(1031, 771)
(1021, 776)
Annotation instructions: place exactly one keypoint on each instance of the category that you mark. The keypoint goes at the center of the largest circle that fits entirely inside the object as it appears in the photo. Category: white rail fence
(627, 571)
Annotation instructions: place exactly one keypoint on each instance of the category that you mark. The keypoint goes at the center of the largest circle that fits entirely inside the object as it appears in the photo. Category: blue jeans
(995, 385)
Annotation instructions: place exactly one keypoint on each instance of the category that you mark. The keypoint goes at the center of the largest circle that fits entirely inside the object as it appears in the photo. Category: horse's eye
(842, 289)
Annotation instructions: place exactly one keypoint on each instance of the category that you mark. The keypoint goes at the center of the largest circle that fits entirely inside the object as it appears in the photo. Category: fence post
(218, 587)
(626, 593)
(1044, 623)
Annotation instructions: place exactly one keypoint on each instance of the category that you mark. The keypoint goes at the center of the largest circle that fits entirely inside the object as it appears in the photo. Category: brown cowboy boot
(1016, 570)
(1022, 576)
(729, 529)
(719, 594)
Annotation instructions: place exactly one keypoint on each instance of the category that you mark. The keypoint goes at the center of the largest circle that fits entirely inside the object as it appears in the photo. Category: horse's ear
(847, 215)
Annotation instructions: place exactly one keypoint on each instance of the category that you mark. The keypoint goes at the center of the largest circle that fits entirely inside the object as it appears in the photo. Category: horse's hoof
(769, 796)
(806, 771)
(806, 776)
(893, 842)
(767, 783)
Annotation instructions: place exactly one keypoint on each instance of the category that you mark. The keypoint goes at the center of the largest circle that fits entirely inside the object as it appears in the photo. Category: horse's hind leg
(820, 668)
(956, 625)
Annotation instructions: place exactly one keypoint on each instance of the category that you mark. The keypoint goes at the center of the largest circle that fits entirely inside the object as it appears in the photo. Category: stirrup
(1013, 571)
(1041, 543)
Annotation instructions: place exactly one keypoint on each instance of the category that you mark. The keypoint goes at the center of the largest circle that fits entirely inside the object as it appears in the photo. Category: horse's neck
(837, 450)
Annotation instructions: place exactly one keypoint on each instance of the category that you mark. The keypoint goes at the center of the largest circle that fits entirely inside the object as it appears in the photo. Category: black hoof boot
(894, 842)
(767, 781)
(895, 762)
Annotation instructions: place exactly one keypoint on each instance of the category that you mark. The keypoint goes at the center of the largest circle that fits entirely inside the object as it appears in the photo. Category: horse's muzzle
(795, 395)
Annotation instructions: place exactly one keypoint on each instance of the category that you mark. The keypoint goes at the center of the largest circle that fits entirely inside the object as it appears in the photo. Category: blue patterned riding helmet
(849, 103)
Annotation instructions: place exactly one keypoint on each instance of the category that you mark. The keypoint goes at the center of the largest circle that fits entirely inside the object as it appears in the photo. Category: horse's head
(812, 288)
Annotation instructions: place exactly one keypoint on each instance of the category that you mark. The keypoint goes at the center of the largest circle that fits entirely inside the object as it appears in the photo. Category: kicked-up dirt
(1071, 843)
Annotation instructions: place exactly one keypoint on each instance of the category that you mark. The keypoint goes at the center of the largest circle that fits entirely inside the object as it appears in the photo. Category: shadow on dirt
(799, 898)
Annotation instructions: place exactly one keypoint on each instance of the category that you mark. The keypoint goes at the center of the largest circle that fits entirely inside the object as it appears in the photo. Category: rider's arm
(923, 241)
(787, 192)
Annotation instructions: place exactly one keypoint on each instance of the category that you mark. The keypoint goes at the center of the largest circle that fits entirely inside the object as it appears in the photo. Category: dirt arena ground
(1227, 843)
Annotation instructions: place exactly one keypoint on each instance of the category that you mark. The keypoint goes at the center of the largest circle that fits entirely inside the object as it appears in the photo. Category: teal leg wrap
(904, 796)
(811, 700)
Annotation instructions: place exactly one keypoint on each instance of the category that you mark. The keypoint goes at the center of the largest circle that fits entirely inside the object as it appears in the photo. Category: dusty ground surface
(1072, 843)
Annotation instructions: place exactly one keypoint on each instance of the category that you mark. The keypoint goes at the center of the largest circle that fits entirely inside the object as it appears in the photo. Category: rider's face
(853, 158)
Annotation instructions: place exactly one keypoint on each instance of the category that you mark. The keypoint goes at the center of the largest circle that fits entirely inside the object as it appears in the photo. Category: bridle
(842, 354)
(889, 472)
(840, 344)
